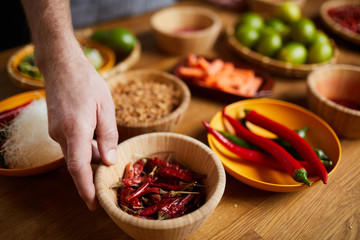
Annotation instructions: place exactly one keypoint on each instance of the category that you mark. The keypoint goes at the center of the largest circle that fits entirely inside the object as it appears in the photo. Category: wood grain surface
(48, 207)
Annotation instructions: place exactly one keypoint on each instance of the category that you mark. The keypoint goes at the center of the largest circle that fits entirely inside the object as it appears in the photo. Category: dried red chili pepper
(179, 207)
(175, 174)
(293, 167)
(166, 208)
(154, 208)
(143, 187)
(138, 167)
(301, 146)
(10, 114)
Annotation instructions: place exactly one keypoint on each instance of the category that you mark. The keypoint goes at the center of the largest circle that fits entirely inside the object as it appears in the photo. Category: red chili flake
(348, 16)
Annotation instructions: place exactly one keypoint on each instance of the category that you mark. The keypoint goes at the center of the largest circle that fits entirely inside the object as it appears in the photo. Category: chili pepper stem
(300, 175)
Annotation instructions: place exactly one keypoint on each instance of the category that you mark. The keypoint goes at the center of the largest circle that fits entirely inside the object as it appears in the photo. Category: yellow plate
(13, 102)
(319, 135)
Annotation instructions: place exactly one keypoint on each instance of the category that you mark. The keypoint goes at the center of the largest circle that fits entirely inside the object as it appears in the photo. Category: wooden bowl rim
(186, 95)
(334, 26)
(196, 10)
(283, 67)
(311, 85)
(205, 210)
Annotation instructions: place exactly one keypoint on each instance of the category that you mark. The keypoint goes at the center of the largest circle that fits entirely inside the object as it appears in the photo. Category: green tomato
(320, 37)
(247, 35)
(293, 52)
(279, 26)
(269, 44)
(288, 12)
(303, 31)
(252, 19)
(320, 52)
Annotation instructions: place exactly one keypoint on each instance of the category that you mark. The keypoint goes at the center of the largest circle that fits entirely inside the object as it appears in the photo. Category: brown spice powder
(144, 101)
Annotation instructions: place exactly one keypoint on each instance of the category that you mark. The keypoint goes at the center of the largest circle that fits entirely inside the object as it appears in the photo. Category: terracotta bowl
(274, 66)
(336, 27)
(192, 153)
(167, 123)
(340, 83)
(182, 30)
(28, 82)
(267, 7)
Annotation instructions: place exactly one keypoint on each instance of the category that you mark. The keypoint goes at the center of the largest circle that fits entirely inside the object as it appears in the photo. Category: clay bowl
(336, 27)
(182, 30)
(190, 152)
(153, 79)
(333, 94)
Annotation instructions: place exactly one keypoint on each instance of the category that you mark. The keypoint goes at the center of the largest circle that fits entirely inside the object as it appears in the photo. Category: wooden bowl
(274, 66)
(341, 82)
(166, 123)
(108, 69)
(18, 100)
(336, 27)
(182, 30)
(192, 153)
(267, 8)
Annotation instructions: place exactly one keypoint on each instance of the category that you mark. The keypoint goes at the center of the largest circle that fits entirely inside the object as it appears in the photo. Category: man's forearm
(51, 30)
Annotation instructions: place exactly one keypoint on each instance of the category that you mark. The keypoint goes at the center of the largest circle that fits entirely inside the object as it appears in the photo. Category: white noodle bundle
(28, 143)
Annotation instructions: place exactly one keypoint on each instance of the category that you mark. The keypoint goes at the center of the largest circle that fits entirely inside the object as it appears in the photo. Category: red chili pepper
(132, 182)
(175, 174)
(293, 167)
(166, 186)
(129, 171)
(166, 208)
(138, 167)
(301, 146)
(140, 191)
(10, 114)
(249, 154)
(154, 208)
(180, 206)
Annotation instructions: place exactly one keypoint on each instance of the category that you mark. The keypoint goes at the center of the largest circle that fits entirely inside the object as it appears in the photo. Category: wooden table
(48, 206)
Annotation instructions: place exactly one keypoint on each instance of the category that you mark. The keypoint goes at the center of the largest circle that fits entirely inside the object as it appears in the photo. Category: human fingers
(106, 132)
(78, 157)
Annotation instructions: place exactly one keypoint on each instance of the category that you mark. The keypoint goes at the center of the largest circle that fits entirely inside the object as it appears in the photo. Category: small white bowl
(190, 152)
(183, 30)
(340, 82)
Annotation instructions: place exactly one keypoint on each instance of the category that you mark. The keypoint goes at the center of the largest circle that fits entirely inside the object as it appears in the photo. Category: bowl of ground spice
(148, 101)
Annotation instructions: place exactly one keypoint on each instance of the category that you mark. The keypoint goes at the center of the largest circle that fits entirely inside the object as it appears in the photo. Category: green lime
(303, 31)
(293, 52)
(288, 12)
(320, 52)
(267, 31)
(269, 44)
(247, 35)
(252, 19)
(99, 35)
(279, 26)
(120, 40)
(320, 37)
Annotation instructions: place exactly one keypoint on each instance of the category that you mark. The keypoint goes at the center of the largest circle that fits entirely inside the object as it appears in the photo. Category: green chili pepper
(236, 140)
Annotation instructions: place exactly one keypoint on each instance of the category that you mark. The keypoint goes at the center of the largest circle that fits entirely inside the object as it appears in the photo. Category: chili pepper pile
(289, 152)
(153, 188)
(347, 16)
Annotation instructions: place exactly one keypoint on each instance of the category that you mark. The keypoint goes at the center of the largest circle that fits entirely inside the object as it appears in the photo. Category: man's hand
(78, 99)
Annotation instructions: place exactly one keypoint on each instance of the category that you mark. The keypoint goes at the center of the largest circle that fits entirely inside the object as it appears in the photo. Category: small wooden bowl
(182, 30)
(340, 82)
(274, 66)
(336, 27)
(165, 124)
(267, 7)
(192, 153)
